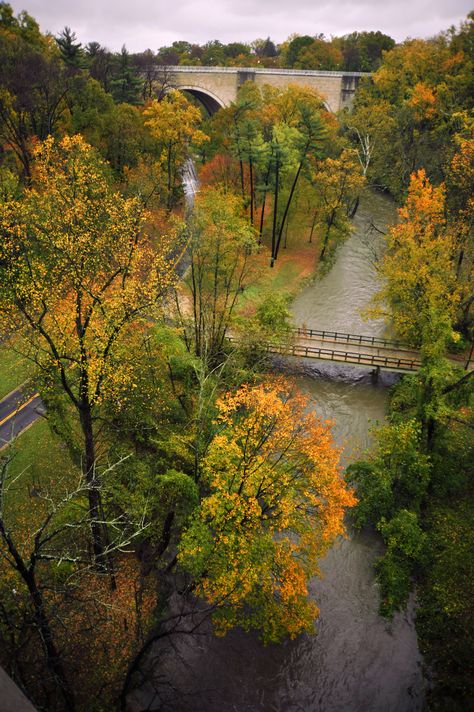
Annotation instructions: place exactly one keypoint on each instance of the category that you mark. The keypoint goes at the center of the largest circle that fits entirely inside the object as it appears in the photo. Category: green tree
(126, 85)
(71, 50)
(221, 244)
(294, 48)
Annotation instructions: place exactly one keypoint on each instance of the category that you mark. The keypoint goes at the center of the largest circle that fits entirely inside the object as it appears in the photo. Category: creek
(357, 661)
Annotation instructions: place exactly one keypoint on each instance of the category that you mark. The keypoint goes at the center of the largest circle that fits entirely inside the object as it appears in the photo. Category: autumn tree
(338, 183)
(460, 215)
(34, 85)
(78, 272)
(419, 267)
(274, 502)
(423, 84)
(221, 244)
(61, 623)
(420, 286)
(173, 122)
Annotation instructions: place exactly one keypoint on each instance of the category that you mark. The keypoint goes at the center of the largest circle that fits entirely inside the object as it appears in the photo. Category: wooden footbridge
(355, 349)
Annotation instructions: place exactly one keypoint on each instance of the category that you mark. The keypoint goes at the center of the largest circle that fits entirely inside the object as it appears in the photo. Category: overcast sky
(142, 24)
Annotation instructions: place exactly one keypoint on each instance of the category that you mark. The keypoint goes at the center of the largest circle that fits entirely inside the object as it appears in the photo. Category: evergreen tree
(71, 50)
(126, 85)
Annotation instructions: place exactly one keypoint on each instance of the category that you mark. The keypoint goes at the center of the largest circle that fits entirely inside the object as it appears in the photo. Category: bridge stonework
(217, 86)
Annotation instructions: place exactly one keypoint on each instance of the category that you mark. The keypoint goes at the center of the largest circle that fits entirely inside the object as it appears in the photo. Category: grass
(41, 463)
(288, 275)
(14, 370)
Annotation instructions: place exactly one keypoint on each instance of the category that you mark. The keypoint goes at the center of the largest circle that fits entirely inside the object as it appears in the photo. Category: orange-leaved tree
(274, 503)
(77, 273)
(419, 268)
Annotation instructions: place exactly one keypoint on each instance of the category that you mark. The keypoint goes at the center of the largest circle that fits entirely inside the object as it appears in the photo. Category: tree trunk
(262, 216)
(52, 656)
(326, 236)
(251, 191)
(287, 207)
(53, 659)
(312, 226)
(89, 471)
(169, 201)
(354, 208)
(275, 211)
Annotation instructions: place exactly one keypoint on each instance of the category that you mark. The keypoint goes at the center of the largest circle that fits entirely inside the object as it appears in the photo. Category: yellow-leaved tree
(174, 124)
(78, 271)
(274, 503)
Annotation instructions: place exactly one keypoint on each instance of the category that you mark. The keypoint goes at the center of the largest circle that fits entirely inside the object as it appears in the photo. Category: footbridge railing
(389, 361)
(343, 337)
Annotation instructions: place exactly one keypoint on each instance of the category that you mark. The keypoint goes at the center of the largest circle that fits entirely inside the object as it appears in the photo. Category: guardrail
(262, 70)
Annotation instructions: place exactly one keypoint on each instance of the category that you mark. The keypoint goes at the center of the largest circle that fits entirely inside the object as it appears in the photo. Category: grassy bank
(289, 274)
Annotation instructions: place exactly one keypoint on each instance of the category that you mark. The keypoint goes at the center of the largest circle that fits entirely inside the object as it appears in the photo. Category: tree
(371, 124)
(274, 135)
(460, 207)
(308, 143)
(319, 55)
(213, 54)
(363, 51)
(425, 84)
(34, 86)
(173, 122)
(26, 565)
(77, 272)
(338, 183)
(392, 486)
(419, 269)
(125, 86)
(274, 502)
(53, 599)
(99, 62)
(71, 50)
(147, 65)
(295, 46)
(221, 243)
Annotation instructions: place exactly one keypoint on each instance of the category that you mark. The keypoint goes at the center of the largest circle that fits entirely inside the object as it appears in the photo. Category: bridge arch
(210, 101)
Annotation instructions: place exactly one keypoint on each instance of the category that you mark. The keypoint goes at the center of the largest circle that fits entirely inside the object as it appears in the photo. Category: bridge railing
(302, 351)
(350, 338)
(183, 68)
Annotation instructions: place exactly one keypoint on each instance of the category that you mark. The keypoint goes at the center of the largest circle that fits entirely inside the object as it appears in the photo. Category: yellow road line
(4, 398)
(7, 443)
(17, 410)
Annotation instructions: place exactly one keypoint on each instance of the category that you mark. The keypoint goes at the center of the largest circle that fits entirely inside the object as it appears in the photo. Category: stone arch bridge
(216, 87)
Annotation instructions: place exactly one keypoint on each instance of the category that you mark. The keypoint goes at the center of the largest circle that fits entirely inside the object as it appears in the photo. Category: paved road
(18, 410)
